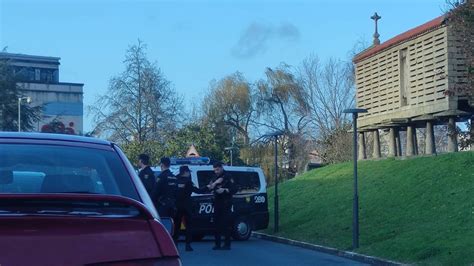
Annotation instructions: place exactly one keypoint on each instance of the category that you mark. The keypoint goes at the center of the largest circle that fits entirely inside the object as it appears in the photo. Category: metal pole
(355, 220)
(231, 157)
(19, 114)
(276, 185)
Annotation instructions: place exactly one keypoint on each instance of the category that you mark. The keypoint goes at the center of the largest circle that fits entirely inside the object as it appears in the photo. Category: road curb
(341, 253)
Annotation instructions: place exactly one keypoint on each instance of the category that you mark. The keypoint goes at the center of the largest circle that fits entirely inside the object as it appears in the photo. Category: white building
(39, 79)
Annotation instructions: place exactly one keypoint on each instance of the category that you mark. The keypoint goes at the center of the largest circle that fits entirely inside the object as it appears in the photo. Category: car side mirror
(168, 223)
(6, 177)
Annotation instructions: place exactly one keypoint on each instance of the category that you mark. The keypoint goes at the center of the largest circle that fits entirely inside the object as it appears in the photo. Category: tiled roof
(430, 25)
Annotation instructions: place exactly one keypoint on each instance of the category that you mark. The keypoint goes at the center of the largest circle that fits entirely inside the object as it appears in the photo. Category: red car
(68, 200)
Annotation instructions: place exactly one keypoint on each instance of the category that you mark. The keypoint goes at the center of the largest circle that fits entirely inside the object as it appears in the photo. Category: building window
(31, 74)
(47, 75)
(404, 76)
(37, 74)
(21, 73)
(56, 75)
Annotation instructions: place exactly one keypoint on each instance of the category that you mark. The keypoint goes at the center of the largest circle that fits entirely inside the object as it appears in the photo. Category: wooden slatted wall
(378, 77)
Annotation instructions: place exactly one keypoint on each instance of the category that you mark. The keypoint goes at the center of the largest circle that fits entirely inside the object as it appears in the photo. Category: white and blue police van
(250, 208)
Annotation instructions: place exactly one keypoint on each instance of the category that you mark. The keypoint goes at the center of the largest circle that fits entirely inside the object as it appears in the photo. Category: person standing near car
(164, 193)
(147, 176)
(184, 204)
(223, 188)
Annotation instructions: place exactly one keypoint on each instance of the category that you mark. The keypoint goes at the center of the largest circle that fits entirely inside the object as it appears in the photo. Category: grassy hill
(414, 210)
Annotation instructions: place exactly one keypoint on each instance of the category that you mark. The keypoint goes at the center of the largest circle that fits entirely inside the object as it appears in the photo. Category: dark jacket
(148, 179)
(224, 199)
(165, 189)
(185, 189)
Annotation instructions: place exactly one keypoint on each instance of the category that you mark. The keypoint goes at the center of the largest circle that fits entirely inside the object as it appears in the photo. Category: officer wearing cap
(147, 176)
(223, 187)
(164, 193)
(184, 204)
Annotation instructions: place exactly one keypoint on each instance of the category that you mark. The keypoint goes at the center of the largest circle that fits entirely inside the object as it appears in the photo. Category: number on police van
(259, 199)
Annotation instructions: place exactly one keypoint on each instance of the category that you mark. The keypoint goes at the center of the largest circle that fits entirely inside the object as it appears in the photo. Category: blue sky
(194, 42)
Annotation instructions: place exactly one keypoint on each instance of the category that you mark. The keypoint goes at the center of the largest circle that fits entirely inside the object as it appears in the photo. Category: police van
(250, 208)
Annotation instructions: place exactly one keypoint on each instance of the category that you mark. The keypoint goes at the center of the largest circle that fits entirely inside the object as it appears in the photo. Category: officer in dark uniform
(164, 194)
(147, 176)
(223, 187)
(184, 204)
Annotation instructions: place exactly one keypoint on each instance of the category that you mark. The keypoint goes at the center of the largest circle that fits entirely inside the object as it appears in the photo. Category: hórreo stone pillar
(376, 153)
(398, 142)
(392, 143)
(452, 135)
(430, 147)
(362, 151)
(410, 150)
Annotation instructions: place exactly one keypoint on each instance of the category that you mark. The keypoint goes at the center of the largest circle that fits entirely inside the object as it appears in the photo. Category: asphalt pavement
(257, 252)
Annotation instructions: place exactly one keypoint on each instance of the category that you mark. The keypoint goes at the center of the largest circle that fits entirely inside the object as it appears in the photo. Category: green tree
(154, 149)
(9, 94)
(202, 135)
(204, 138)
(230, 102)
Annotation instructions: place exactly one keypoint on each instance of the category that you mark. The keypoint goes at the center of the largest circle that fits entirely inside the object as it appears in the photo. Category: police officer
(164, 194)
(184, 204)
(147, 176)
(223, 187)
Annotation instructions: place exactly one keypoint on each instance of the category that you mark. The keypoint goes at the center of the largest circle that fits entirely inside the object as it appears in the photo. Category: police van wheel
(242, 229)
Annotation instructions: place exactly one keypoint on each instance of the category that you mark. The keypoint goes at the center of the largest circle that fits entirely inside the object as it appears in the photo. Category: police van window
(246, 182)
(204, 178)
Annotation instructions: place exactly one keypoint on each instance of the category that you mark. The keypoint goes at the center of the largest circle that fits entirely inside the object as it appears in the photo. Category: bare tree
(140, 104)
(283, 106)
(335, 147)
(330, 89)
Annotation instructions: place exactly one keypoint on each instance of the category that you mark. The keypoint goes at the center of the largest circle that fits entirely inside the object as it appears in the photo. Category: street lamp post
(275, 135)
(355, 206)
(277, 215)
(231, 151)
(20, 99)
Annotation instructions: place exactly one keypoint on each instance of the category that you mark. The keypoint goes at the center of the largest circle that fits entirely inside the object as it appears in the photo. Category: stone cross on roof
(376, 18)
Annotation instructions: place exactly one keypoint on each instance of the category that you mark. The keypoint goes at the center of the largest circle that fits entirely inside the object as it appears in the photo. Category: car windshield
(33, 168)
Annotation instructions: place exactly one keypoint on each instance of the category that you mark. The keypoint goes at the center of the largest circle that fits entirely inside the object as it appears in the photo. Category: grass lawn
(418, 210)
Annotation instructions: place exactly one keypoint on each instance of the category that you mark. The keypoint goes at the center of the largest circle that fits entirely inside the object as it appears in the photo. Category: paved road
(257, 252)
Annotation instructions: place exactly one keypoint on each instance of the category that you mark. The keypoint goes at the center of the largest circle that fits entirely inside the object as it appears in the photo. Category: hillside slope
(414, 210)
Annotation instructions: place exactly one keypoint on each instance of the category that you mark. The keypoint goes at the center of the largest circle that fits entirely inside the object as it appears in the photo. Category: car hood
(76, 239)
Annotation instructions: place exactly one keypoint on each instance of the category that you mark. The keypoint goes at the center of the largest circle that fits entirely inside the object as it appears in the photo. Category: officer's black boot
(189, 236)
(217, 242)
(226, 242)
